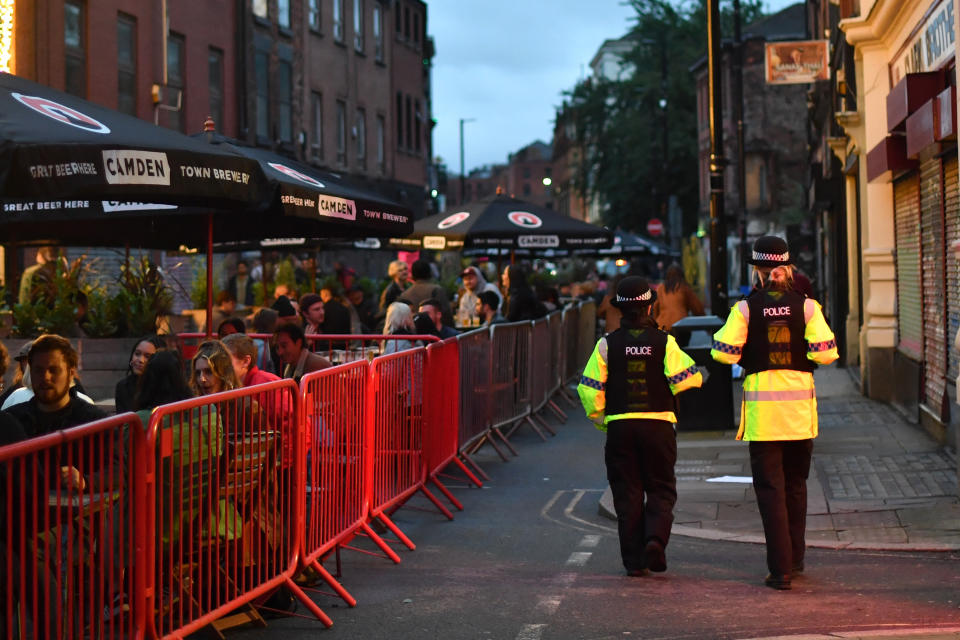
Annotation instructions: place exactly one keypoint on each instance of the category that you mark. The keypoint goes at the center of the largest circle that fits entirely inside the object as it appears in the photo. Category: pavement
(876, 482)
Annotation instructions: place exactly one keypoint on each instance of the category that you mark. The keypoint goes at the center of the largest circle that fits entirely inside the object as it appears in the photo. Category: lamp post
(741, 145)
(718, 226)
(463, 177)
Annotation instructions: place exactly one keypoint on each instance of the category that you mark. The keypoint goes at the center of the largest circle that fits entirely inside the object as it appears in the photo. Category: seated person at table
(126, 389)
(230, 326)
(226, 306)
(296, 358)
(243, 355)
(399, 322)
(54, 405)
(488, 307)
(312, 309)
(431, 307)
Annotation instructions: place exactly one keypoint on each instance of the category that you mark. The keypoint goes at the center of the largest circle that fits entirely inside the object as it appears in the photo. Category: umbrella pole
(209, 275)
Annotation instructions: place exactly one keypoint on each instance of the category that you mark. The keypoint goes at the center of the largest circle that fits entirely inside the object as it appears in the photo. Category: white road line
(531, 632)
(579, 558)
(549, 604)
(590, 541)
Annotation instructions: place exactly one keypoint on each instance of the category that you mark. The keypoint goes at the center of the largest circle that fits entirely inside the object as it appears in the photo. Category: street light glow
(6, 35)
(547, 181)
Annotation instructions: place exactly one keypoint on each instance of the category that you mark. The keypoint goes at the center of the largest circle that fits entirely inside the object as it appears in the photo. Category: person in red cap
(627, 390)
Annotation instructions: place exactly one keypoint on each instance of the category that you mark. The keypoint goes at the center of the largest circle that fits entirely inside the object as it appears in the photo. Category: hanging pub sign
(797, 62)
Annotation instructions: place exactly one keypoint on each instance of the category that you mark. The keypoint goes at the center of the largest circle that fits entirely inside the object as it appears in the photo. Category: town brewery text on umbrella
(502, 223)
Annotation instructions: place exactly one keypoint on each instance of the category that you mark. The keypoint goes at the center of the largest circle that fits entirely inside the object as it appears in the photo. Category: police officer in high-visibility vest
(777, 336)
(627, 390)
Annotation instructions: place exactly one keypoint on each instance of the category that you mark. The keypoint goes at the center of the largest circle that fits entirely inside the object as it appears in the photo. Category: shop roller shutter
(906, 194)
(951, 206)
(932, 283)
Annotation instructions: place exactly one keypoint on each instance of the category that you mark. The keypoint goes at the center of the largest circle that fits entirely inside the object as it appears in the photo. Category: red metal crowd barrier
(475, 404)
(121, 531)
(335, 501)
(586, 335)
(222, 507)
(396, 410)
(442, 415)
(72, 560)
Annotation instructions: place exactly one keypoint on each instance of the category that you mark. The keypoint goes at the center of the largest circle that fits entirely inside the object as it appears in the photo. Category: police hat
(633, 291)
(770, 251)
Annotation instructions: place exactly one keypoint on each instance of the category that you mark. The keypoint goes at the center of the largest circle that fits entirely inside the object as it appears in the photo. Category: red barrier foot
(336, 586)
(377, 540)
(309, 604)
(456, 503)
(436, 502)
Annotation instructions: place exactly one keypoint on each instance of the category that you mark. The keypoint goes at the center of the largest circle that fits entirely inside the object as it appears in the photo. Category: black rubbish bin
(711, 406)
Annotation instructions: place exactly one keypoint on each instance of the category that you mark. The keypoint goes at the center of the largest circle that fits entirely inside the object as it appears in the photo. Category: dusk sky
(506, 64)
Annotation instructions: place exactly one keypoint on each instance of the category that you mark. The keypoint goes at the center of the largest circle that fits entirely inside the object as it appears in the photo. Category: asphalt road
(530, 558)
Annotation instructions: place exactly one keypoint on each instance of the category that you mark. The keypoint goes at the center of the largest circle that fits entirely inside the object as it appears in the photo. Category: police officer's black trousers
(780, 469)
(640, 456)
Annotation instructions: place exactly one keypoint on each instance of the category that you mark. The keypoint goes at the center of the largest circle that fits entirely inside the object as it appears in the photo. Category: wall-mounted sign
(797, 62)
(930, 45)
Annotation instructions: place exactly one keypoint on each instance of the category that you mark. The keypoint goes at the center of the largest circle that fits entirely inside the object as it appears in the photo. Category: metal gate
(934, 294)
(909, 300)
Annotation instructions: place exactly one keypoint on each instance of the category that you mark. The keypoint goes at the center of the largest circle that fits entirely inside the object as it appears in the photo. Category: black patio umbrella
(313, 204)
(503, 223)
(628, 244)
(74, 172)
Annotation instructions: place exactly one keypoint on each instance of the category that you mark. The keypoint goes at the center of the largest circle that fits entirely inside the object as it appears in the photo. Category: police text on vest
(776, 311)
(639, 351)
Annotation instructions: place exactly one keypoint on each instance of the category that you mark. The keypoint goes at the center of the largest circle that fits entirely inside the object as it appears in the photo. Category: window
(526, 172)
(378, 32)
(416, 27)
(409, 123)
(176, 78)
(526, 188)
(260, 8)
(358, 25)
(381, 144)
(215, 66)
(399, 21)
(127, 64)
(262, 72)
(75, 45)
(361, 133)
(284, 101)
(338, 20)
(316, 112)
(417, 119)
(341, 132)
(399, 120)
(283, 13)
(406, 22)
(313, 14)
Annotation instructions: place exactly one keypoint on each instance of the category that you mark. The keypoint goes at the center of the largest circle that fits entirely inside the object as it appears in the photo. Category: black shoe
(779, 582)
(637, 573)
(656, 559)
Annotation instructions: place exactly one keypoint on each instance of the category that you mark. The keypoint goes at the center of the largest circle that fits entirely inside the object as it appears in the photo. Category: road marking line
(549, 604)
(531, 632)
(590, 541)
(579, 558)
(590, 526)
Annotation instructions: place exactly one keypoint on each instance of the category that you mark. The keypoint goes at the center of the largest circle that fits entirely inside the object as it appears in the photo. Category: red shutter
(906, 195)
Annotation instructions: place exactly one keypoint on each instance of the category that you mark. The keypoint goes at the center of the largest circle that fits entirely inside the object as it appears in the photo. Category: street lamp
(718, 227)
(463, 178)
